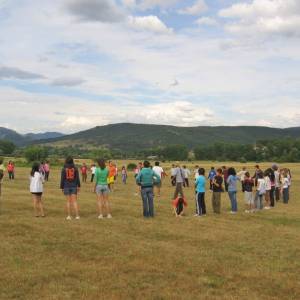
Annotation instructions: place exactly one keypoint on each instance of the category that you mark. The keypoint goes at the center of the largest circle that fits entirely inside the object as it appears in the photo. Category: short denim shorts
(102, 189)
(70, 191)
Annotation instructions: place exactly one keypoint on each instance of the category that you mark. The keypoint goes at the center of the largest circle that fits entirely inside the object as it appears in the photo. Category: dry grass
(216, 257)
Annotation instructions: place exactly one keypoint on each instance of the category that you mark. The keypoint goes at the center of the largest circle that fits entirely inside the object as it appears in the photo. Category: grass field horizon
(243, 256)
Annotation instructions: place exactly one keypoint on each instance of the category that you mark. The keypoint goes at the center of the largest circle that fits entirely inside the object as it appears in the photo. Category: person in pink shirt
(47, 170)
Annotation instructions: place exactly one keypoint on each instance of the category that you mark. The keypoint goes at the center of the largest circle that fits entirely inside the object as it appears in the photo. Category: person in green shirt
(102, 190)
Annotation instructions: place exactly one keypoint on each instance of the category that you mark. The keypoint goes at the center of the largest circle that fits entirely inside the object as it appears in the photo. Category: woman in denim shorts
(102, 190)
(70, 186)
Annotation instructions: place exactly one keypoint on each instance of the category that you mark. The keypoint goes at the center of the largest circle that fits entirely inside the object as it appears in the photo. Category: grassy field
(243, 256)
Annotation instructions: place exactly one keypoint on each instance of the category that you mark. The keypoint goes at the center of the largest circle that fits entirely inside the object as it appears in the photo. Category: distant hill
(131, 137)
(21, 140)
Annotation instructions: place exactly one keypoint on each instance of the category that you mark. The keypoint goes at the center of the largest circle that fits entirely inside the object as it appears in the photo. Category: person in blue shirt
(146, 179)
(211, 176)
(200, 193)
(232, 189)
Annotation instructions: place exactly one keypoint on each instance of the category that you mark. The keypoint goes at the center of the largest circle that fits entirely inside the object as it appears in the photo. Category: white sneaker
(69, 218)
(233, 212)
(77, 218)
(247, 211)
(196, 215)
(109, 216)
(100, 217)
(267, 207)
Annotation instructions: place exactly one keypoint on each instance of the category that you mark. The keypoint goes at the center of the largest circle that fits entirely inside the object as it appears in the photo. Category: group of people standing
(261, 190)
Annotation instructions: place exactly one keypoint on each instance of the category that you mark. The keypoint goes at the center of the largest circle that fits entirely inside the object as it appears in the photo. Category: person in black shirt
(217, 188)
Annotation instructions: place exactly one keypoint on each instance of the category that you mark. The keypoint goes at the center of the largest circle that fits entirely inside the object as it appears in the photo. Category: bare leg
(35, 204)
(107, 204)
(68, 207)
(40, 205)
(100, 204)
(75, 205)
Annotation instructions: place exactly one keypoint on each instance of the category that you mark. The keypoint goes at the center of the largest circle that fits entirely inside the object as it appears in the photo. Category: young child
(178, 205)
(212, 173)
(36, 189)
(268, 189)
(260, 191)
(111, 176)
(248, 190)
(285, 186)
(70, 186)
(217, 186)
(124, 175)
(200, 193)
(102, 189)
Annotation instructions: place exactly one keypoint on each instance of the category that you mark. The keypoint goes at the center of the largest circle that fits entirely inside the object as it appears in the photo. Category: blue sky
(69, 65)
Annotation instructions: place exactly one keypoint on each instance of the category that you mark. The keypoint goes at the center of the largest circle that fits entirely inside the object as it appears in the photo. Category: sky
(70, 65)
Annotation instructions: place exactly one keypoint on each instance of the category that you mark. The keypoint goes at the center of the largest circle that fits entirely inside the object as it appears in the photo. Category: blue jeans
(232, 197)
(259, 200)
(285, 195)
(147, 197)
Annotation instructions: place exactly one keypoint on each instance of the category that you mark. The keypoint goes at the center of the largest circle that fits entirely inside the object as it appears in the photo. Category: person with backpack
(11, 170)
(146, 180)
(102, 189)
(36, 189)
(2, 170)
(70, 186)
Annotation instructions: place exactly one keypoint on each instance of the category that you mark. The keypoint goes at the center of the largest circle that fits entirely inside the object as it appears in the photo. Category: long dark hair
(231, 171)
(69, 160)
(35, 168)
(101, 163)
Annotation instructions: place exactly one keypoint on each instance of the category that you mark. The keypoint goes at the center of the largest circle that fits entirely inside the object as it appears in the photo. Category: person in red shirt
(179, 204)
(11, 170)
(83, 170)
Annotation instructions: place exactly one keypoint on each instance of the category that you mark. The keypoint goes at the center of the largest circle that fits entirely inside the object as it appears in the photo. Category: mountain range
(130, 137)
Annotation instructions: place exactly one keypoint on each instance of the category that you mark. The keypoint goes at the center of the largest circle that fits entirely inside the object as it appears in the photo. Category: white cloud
(197, 8)
(207, 21)
(152, 23)
(265, 17)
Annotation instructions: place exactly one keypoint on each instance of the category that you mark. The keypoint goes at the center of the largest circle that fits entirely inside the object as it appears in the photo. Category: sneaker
(267, 207)
(196, 215)
(77, 218)
(100, 217)
(247, 211)
(109, 216)
(233, 212)
(69, 218)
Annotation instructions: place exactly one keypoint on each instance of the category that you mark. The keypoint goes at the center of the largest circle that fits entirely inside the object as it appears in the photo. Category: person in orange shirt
(111, 176)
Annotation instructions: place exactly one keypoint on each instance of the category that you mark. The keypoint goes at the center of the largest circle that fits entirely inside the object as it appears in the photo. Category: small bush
(131, 166)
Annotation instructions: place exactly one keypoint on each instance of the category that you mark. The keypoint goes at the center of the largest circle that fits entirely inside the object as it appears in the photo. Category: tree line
(281, 150)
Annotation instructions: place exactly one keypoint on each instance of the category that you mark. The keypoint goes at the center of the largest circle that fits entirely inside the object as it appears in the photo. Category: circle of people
(261, 190)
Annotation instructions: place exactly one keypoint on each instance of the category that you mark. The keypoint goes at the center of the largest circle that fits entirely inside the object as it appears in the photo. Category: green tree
(35, 153)
(7, 147)
(175, 152)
